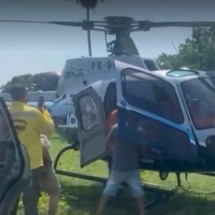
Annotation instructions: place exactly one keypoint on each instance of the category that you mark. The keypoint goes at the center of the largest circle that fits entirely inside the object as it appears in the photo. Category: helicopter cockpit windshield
(200, 98)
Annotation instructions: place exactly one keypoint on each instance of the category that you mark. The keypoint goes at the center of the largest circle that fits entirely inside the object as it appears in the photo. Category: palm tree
(88, 4)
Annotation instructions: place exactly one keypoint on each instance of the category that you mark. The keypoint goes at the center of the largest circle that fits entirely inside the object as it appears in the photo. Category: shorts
(116, 178)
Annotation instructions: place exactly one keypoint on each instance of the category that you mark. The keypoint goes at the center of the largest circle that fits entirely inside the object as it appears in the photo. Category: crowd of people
(35, 126)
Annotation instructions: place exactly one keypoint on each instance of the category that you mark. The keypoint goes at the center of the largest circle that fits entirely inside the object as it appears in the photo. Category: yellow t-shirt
(30, 124)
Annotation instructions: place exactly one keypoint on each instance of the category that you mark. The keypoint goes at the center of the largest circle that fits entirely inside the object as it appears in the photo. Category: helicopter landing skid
(161, 194)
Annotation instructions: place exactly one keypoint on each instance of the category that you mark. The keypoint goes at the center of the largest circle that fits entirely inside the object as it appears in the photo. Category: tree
(197, 52)
(47, 81)
(169, 61)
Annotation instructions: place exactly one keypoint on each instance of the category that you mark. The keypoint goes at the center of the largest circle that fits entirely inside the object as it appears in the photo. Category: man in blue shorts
(125, 168)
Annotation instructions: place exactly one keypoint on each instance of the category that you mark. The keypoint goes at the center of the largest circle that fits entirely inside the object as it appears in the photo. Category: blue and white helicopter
(174, 109)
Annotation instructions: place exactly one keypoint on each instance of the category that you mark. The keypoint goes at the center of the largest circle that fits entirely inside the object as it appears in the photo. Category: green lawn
(80, 197)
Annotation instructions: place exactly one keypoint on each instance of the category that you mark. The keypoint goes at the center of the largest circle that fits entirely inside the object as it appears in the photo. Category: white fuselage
(81, 72)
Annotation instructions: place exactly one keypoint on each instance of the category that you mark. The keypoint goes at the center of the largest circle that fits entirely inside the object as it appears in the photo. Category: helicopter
(80, 72)
(174, 121)
(122, 49)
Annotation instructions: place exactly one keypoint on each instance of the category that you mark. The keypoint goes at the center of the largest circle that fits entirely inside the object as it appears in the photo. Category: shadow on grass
(85, 199)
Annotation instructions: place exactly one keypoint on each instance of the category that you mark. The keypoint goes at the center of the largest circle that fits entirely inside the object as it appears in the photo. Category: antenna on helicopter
(174, 46)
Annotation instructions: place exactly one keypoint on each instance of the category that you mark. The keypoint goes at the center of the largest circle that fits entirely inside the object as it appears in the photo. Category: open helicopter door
(146, 117)
(14, 163)
(91, 120)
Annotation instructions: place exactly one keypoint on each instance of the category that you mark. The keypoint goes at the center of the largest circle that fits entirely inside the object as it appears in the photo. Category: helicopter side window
(153, 95)
(89, 113)
(151, 65)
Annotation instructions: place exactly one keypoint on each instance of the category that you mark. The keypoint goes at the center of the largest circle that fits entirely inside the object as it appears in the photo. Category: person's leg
(102, 204)
(51, 185)
(111, 188)
(32, 193)
(140, 204)
(135, 186)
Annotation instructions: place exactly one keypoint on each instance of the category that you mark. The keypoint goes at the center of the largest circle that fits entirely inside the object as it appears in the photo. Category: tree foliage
(197, 52)
(47, 81)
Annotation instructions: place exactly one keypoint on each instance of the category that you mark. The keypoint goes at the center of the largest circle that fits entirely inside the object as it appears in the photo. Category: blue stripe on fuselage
(191, 154)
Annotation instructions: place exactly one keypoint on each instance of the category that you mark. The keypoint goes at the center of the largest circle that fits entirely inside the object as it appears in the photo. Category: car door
(14, 162)
(91, 125)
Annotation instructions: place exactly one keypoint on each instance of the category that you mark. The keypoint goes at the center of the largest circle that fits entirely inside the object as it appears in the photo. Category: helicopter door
(91, 120)
(150, 114)
(14, 162)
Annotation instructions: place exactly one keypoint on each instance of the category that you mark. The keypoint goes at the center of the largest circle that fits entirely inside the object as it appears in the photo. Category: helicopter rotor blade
(147, 25)
(142, 25)
(65, 23)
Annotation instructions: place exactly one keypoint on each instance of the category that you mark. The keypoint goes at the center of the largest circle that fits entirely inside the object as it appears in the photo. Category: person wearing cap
(30, 123)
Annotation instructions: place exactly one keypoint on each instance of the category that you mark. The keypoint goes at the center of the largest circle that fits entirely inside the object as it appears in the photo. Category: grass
(80, 197)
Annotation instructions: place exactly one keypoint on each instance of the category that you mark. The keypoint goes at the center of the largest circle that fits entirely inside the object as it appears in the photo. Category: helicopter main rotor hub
(118, 19)
(117, 24)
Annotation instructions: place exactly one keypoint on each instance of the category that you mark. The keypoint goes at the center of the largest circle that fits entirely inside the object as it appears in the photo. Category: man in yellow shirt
(30, 123)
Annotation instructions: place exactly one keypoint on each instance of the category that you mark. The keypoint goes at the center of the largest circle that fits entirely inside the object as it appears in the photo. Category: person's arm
(109, 145)
(46, 155)
(112, 119)
(44, 124)
(111, 138)
(47, 115)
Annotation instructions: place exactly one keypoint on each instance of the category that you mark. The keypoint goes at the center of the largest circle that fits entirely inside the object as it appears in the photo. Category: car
(14, 162)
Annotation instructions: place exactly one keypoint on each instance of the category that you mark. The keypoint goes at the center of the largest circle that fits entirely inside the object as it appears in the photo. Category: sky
(36, 48)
